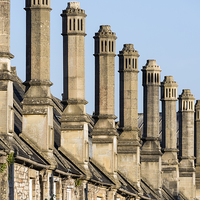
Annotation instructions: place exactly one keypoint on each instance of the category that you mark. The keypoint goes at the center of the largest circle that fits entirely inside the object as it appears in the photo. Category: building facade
(51, 149)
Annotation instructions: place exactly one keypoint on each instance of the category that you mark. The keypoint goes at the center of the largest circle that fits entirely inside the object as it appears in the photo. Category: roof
(26, 153)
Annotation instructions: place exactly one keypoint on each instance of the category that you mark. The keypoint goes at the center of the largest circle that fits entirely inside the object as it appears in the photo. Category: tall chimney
(74, 121)
(128, 149)
(6, 91)
(170, 173)
(151, 151)
(104, 135)
(6, 82)
(37, 119)
(186, 144)
(197, 138)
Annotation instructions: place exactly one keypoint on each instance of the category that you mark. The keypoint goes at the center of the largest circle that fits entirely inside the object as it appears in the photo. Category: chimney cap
(151, 65)
(73, 4)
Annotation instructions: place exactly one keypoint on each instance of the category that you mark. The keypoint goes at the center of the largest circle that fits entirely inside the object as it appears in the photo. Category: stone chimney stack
(170, 171)
(74, 120)
(186, 144)
(104, 141)
(197, 134)
(6, 82)
(151, 151)
(128, 148)
(37, 119)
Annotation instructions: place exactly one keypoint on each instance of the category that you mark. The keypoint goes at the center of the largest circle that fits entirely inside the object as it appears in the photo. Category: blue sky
(168, 31)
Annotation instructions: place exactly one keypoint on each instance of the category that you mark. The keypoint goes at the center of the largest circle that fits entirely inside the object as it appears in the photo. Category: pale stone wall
(103, 193)
(26, 183)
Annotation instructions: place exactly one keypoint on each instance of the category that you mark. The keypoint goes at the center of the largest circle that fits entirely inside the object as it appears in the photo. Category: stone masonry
(151, 151)
(186, 144)
(170, 172)
(37, 103)
(74, 121)
(128, 148)
(126, 162)
(104, 141)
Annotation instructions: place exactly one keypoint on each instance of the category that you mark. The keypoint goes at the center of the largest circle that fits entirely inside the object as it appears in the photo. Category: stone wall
(22, 177)
(3, 183)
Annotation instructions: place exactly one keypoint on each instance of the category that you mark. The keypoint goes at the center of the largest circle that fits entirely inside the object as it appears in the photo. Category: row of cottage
(52, 149)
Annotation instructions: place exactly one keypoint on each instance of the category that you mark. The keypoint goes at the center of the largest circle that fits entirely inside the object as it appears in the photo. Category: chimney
(37, 121)
(6, 80)
(170, 173)
(6, 92)
(74, 120)
(151, 151)
(104, 135)
(186, 144)
(128, 148)
(197, 145)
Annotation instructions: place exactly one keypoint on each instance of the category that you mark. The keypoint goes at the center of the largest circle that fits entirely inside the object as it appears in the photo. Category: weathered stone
(105, 153)
(186, 144)
(151, 151)
(128, 148)
(74, 121)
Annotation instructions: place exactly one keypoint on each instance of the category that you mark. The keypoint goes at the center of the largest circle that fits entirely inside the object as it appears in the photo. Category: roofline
(32, 162)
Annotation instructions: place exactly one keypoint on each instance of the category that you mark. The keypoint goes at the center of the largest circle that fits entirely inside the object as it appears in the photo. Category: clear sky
(168, 31)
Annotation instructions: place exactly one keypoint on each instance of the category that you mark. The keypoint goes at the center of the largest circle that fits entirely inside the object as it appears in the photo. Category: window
(31, 189)
(105, 46)
(74, 24)
(46, 2)
(144, 78)
(126, 63)
(157, 78)
(129, 61)
(69, 194)
(102, 46)
(112, 46)
(70, 24)
(151, 77)
(109, 46)
(135, 63)
(81, 24)
(78, 24)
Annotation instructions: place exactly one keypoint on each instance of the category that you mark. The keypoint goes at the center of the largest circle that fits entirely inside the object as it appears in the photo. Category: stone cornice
(6, 55)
